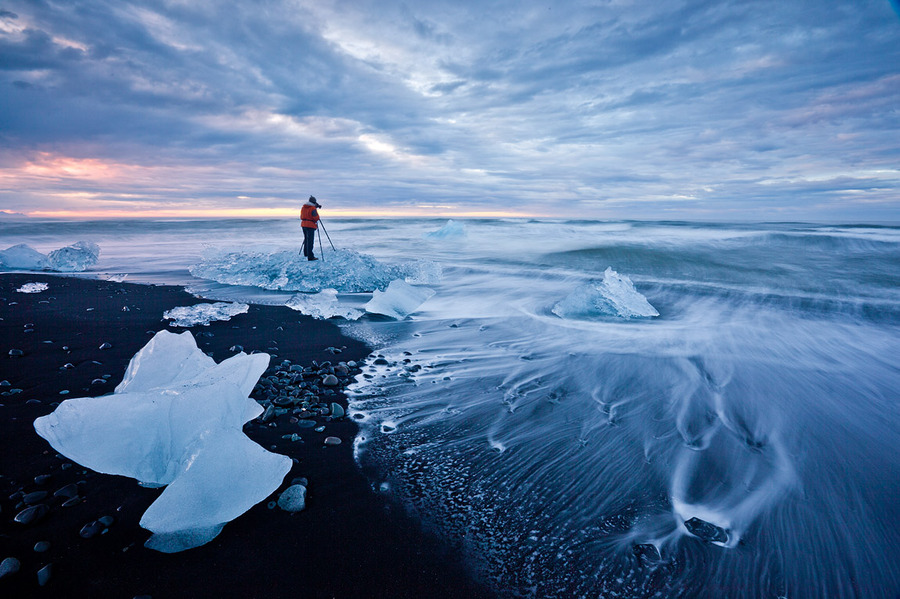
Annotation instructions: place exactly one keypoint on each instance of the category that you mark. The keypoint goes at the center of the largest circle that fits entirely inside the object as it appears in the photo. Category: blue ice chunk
(176, 419)
(615, 296)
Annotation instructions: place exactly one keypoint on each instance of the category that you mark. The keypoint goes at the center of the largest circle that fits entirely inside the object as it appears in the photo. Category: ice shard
(176, 419)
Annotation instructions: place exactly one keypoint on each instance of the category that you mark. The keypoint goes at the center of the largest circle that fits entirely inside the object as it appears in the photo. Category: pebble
(332, 441)
(706, 531)
(293, 499)
(16, 353)
(330, 380)
(42, 479)
(35, 497)
(91, 529)
(67, 366)
(41, 547)
(106, 521)
(69, 491)
(73, 501)
(236, 348)
(43, 575)
(106, 346)
(337, 411)
(5, 383)
(9, 566)
(32, 514)
(98, 382)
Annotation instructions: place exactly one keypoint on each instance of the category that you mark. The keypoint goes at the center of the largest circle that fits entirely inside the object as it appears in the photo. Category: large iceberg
(176, 419)
(77, 257)
(615, 295)
(188, 316)
(344, 270)
(399, 300)
(322, 305)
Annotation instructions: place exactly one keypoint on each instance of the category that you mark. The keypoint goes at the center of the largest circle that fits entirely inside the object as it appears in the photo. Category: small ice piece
(451, 230)
(77, 257)
(399, 300)
(614, 296)
(32, 288)
(23, 257)
(176, 419)
(188, 316)
(322, 305)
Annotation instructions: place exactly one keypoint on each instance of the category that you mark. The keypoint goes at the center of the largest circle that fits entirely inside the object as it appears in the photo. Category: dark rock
(72, 502)
(706, 531)
(236, 348)
(380, 362)
(106, 346)
(16, 353)
(9, 566)
(42, 479)
(98, 382)
(43, 575)
(91, 529)
(332, 441)
(34, 497)
(306, 423)
(331, 381)
(32, 514)
(106, 521)
(41, 547)
(69, 491)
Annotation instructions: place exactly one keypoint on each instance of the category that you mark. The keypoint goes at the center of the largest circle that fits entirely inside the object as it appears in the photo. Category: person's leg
(309, 240)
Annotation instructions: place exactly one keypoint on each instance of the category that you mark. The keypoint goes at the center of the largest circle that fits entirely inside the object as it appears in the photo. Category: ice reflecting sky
(633, 109)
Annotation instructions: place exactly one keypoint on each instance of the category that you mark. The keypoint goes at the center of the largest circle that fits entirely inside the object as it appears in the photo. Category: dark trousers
(309, 242)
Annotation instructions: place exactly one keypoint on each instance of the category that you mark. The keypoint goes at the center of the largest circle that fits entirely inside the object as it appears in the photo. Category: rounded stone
(41, 547)
(332, 441)
(9, 566)
(293, 499)
(330, 380)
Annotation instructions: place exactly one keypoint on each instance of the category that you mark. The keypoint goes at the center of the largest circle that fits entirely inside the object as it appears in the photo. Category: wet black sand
(348, 542)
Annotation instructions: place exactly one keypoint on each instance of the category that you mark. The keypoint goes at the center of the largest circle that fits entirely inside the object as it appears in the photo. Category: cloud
(529, 106)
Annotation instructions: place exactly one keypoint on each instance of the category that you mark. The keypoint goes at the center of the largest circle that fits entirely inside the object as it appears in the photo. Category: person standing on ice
(309, 222)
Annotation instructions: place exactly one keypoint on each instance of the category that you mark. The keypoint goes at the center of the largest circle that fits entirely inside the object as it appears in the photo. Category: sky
(685, 109)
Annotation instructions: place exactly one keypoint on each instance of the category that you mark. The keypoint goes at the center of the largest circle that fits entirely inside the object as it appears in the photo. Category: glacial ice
(399, 300)
(452, 230)
(33, 288)
(188, 316)
(74, 258)
(322, 305)
(77, 257)
(23, 257)
(345, 271)
(176, 419)
(615, 295)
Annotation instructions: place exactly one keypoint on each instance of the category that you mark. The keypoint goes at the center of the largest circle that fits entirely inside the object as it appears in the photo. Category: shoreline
(348, 541)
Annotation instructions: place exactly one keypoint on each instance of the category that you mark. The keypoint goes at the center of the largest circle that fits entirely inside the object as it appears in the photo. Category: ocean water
(612, 409)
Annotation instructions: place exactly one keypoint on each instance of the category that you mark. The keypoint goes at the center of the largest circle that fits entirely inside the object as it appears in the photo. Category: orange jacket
(309, 216)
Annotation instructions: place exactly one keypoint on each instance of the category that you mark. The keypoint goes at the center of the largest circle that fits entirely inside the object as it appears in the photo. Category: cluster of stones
(305, 394)
(33, 503)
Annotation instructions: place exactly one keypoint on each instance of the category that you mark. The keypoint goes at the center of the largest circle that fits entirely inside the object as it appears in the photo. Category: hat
(313, 200)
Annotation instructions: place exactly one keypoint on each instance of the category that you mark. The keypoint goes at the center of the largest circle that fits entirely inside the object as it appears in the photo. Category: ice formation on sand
(72, 258)
(188, 316)
(615, 295)
(344, 270)
(452, 230)
(322, 305)
(33, 288)
(399, 300)
(176, 419)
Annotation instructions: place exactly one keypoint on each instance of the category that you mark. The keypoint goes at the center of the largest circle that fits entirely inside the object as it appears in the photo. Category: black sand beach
(348, 542)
